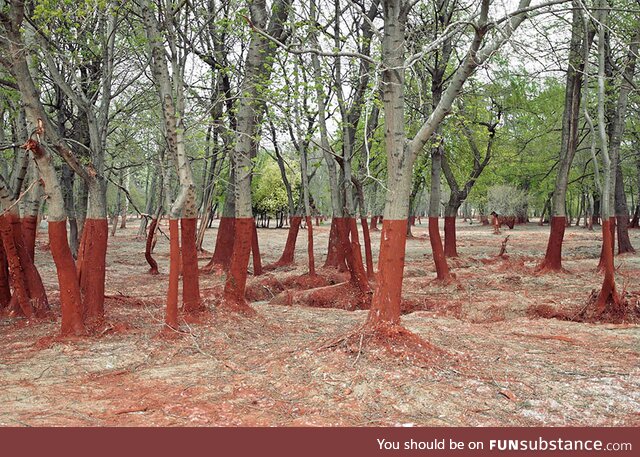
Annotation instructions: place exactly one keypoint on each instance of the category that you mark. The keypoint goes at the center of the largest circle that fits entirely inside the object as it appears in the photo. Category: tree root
(392, 340)
(344, 295)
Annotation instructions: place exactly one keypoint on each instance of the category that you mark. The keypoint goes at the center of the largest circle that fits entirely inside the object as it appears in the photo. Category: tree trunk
(5, 290)
(255, 252)
(118, 209)
(258, 67)
(450, 243)
(31, 211)
(151, 193)
(226, 228)
(170, 90)
(442, 269)
(335, 255)
(290, 245)
(579, 45)
(69, 204)
(125, 207)
(70, 298)
(385, 305)
(622, 214)
(153, 270)
(18, 278)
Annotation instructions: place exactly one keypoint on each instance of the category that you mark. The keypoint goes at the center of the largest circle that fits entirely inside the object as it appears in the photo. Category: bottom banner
(319, 441)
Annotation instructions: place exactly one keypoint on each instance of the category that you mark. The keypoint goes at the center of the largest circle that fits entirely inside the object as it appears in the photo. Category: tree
(170, 87)
(258, 67)
(581, 39)
(401, 155)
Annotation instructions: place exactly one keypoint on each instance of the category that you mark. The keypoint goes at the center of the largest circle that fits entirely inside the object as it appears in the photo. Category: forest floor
(501, 365)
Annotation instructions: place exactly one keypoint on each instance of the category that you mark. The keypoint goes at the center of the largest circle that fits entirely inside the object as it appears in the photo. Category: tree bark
(258, 67)
(580, 44)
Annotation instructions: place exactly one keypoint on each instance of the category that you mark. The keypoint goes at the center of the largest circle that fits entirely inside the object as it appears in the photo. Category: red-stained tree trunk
(18, 278)
(290, 246)
(553, 257)
(258, 67)
(367, 247)
(374, 224)
(437, 248)
(30, 296)
(171, 93)
(255, 252)
(385, 306)
(612, 235)
(450, 242)
(401, 155)
(70, 297)
(226, 228)
(29, 232)
(442, 269)
(224, 245)
(171, 313)
(622, 215)
(91, 274)
(190, 284)
(5, 290)
(608, 293)
(353, 255)
(35, 288)
(335, 254)
(310, 254)
(236, 282)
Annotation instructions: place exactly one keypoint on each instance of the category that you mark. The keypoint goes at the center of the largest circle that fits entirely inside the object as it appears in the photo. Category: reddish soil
(492, 364)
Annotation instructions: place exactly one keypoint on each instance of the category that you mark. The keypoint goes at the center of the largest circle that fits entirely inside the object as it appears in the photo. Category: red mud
(290, 246)
(70, 299)
(171, 313)
(501, 367)
(385, 305)
(439, 259)
(29, 232)
(553, 258)
(335, 254)
(234, 288)
(224, 245)
(91, 267)
(191, 302)
(450, 249)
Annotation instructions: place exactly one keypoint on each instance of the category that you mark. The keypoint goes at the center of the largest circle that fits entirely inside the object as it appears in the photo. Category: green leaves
(268, 191)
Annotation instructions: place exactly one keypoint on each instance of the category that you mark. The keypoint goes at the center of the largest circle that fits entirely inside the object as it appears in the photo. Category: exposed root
(125, 299)
(615, 309)
(215, 269)
(544, 268)
(236, 306)
(447, 308)
(392, 340)
(287, 265)
(624, 309)
(450, 279)
(341, 296)
(267, 287)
